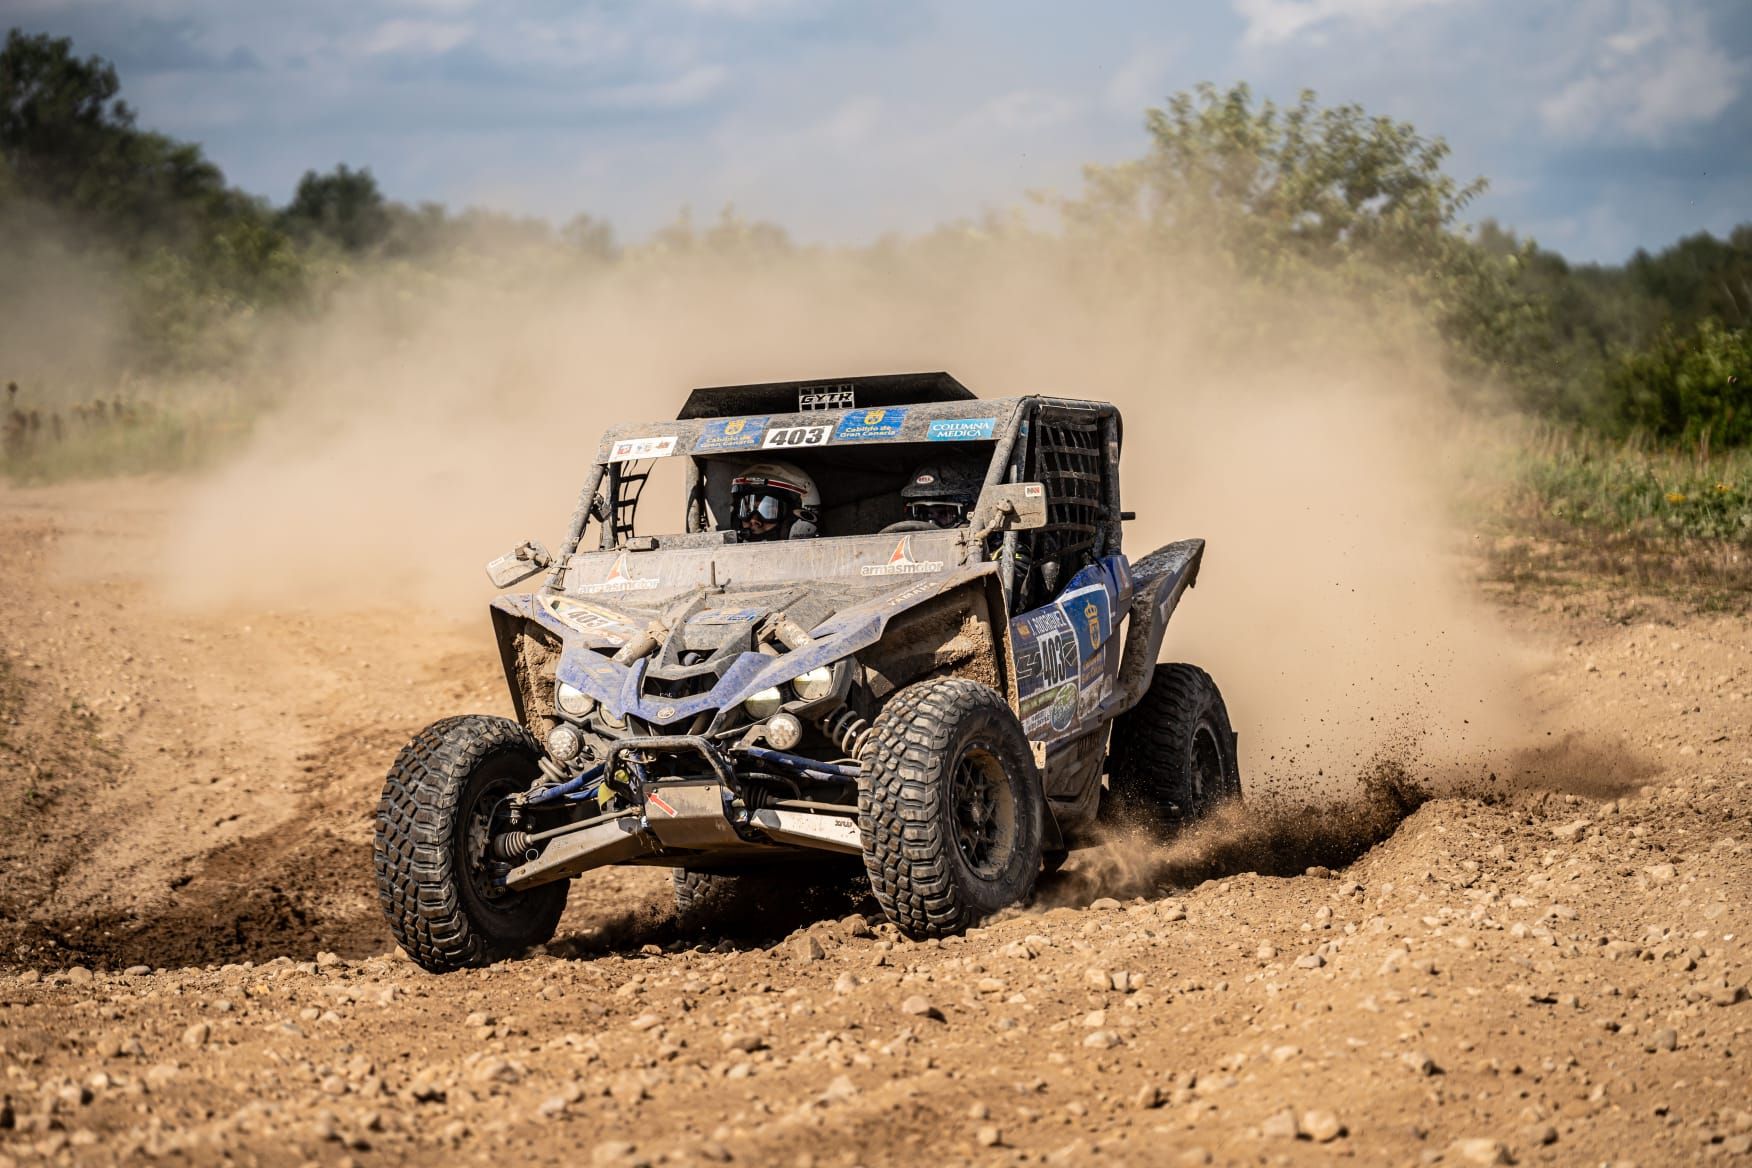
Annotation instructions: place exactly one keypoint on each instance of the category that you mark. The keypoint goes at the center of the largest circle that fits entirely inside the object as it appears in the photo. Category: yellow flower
(1723, 488)
(1675, 497)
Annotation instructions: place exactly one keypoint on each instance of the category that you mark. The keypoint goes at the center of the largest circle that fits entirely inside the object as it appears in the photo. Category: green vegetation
(189, 280)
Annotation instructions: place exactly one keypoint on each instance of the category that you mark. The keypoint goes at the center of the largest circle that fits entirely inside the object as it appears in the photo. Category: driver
(774, 501)
(943, 493)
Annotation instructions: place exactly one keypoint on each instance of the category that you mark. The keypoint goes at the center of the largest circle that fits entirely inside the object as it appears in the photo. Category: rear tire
(1173, 755)
(950, 807)
(722, 901)
(436, 817)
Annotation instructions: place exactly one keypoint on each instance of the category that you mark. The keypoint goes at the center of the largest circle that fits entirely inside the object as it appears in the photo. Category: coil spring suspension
(846, 729)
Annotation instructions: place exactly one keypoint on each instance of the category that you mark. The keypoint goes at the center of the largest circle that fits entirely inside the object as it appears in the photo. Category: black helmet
(944, 492)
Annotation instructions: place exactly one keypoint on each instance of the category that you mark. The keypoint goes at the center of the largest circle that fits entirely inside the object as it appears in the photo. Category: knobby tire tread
(418, 883)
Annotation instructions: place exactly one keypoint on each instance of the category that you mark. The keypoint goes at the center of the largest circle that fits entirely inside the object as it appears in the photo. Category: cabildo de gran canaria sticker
(863, 425)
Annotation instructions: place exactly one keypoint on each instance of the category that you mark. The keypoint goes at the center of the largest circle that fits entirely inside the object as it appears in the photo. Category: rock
(1018, 950)
(1104, 904)
(1149, 1097)
(552, 1107)
(478, 1018)
(989, 1136)
(856, 926)
(746, 1043)
(715, 1152)
(1284, 1054)
(495, 1070)
(1539, 1134)
(646, 1022)
(1095, 1019)
(1728, 995)
(1479, 1151)
(1661, 873)
(1280, 1125)
(1174, 912)
(138, 971)
(1102, 1040)
(845, 983)
(805, 947)
(1570, 833)
(612, 1152)
(1266, 952)
(1664, 1039)
(78, 975)
(919, 1007)
(1420, 1062)
(424, 1089)
(990, 985)
(1097, 978)
(1310, 961)
(841, 1088)
(1321, 1126)
(1192, 1157)
(197, 1034)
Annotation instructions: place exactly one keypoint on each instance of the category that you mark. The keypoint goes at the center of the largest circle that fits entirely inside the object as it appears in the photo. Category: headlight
(764, 704)
(817, 683)
(618, 721)
(573, 700)
(564, 743)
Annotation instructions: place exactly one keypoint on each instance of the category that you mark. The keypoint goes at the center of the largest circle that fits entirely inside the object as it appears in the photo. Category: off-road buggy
(955, 706)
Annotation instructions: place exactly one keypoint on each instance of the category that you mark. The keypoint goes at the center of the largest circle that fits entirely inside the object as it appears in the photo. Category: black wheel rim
(483, 820)
(1207, 766)
(984, 809)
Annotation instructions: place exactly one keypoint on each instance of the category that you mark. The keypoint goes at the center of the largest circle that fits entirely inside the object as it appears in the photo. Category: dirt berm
(1551, 968)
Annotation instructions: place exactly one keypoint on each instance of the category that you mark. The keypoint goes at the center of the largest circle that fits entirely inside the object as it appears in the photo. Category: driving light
(573, 700)
(609, 717)
(564, 743)
(764, 704)
(816, 683)
(784, 731)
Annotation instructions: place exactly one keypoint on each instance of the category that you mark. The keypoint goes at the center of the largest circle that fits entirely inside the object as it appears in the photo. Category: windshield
(797, 490)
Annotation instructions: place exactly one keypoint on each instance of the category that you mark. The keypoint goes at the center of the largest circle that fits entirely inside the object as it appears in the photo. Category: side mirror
(520, 563)
(1012, 507)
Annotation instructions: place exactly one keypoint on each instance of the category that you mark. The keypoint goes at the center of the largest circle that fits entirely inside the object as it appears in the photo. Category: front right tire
(438, 887)
(950, 807)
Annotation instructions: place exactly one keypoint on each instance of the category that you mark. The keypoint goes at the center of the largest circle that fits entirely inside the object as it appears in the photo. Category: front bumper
(707, 812)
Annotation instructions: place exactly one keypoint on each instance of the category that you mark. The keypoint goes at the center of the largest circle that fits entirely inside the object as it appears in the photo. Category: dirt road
(1551, 968)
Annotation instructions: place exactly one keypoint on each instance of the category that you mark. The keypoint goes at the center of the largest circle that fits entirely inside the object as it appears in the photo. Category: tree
(343, 206)
(63, 131)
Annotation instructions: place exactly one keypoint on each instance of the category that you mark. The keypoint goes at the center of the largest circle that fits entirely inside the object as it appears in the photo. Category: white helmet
(774, 500)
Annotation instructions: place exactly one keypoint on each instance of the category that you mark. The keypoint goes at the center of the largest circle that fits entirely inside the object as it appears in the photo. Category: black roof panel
(784, 397)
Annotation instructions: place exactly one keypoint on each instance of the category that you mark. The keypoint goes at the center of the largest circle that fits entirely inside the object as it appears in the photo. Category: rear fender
(1159, 579)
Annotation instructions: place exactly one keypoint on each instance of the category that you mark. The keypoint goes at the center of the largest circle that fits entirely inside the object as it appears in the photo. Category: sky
(1602, 125)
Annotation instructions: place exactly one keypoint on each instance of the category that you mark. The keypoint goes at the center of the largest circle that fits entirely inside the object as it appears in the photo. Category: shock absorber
(847, 730)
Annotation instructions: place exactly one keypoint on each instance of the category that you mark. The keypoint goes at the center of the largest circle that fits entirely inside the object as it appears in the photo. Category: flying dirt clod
(916, 641)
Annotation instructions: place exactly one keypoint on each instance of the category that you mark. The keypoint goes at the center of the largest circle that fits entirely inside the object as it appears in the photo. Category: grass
(1564, 506)
(140, 437)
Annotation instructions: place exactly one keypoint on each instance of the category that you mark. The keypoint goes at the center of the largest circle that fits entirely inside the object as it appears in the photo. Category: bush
(1688, 388)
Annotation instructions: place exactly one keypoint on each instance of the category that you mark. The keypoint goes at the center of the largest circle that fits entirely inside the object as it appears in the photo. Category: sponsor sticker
(901, 562)
(620, 580)
(639, 449)
(961, 429)
(724, 616)
(793, 437)
(827, 397)
(732, 434)
(863, 425)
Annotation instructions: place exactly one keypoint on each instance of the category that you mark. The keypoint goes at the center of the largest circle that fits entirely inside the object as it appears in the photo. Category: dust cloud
(433, 419)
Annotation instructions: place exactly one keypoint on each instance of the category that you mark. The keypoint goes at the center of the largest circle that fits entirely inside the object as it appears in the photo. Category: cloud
(430, 37)
(1663, 73)
(1272, 21)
